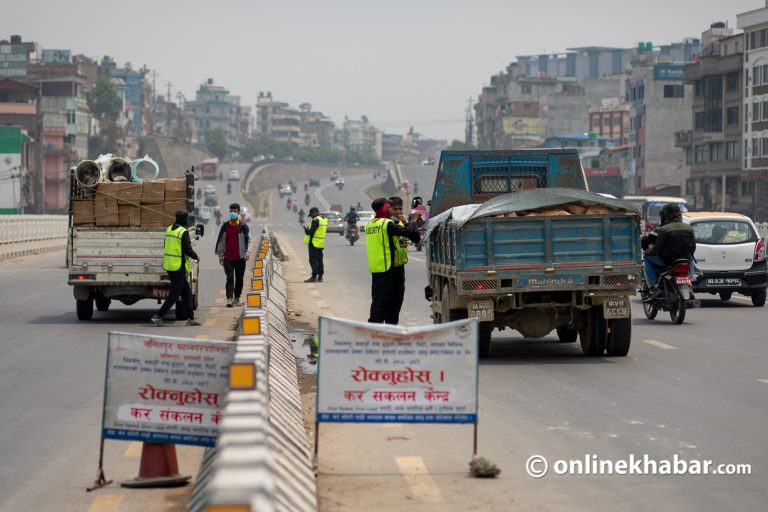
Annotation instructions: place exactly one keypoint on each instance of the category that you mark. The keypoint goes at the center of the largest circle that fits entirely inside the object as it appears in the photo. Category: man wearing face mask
(233, 247)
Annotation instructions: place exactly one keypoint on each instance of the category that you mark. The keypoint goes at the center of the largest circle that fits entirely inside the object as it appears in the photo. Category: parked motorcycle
(353, 234)
(673, 293)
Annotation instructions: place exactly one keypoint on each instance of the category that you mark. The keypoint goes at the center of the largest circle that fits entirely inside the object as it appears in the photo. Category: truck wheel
(484, 339)
(593, 335)
(84, 309)
(102, 304)
(725, 296)
(758, 298)
(620, 337)
(566, 335)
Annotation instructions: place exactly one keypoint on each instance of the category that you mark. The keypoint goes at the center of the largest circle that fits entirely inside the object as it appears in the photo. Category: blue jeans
(653, 263)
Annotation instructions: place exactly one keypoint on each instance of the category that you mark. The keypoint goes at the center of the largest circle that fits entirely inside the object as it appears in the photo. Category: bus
(209, 170)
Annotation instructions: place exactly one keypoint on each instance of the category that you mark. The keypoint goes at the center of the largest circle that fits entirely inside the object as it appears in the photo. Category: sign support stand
(101, 480)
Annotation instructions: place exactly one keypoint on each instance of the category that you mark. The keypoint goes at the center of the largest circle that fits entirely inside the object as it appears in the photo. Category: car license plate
(161, 293)
(723, 281)
(616, 307)
(683, 279)
(481, 309)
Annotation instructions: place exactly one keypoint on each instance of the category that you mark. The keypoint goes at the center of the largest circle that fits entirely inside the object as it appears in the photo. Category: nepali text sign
(385, 373)
(165, 390)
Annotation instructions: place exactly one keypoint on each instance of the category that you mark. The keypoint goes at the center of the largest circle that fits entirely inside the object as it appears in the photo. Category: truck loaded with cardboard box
(116, 239)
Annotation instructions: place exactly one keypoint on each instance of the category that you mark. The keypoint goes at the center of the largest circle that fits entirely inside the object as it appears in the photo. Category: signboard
(14, 59)
(668, 72)
(385, 373)
(164, 390)
(57, 56)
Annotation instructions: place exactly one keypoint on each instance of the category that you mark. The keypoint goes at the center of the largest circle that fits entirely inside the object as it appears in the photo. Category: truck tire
(593, 334)
(619, 337)
(566, 335)
(84, 309)
(102, 304)
(758, 298)
(484, 340)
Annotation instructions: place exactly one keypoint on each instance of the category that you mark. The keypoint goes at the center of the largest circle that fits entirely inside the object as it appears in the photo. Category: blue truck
(516, 240)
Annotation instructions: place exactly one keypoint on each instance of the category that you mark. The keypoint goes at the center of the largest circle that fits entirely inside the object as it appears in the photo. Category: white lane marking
(106, 503)
(659, 344)
(764, 381)
(421, 483)
(326, 205)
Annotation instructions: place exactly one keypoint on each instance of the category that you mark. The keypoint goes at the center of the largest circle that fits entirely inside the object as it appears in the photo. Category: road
(696, 391)
(52, 381)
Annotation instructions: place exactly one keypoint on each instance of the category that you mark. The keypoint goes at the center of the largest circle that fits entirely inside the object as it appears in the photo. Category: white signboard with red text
(383, 373)
(165, 390)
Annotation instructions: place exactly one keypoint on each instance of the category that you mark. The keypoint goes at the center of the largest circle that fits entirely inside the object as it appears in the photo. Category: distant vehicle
(285, 190)
(245, 214)
(209, 169)
(205, 213)
(334, 175)
(650, 208)
(335, 222)
(269, 157)
(233, 175)
(288, 158)
(730, 256)
(363, 217)
(425, 162)
(314, 181)
(259, 158)
(209, 189)
(211, 200)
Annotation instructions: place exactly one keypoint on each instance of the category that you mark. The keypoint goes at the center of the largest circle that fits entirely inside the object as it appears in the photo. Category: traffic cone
(158, 468)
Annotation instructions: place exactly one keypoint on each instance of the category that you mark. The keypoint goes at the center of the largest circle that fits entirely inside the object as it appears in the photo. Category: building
(16, 157)
(713, 146)
(215, 109)
(391, 147)
(755, 103)
(610, 119)
(300, 127)
(361, 135)
(135, 97)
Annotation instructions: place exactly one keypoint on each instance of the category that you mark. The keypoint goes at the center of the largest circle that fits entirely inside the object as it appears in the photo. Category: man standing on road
(177, 250)
(233, 247)
(314, 237)
(381, 244)
(400, 259)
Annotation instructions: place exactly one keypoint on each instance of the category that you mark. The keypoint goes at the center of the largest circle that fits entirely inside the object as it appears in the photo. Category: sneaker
(229, 303)
(311, 280)
(237, 301)
(157, 321)
(319, 279)
(193, 323)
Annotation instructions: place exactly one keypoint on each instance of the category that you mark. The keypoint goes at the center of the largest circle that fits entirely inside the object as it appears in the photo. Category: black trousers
(180, 292)
(234, 270)
(316, 261)
(385, 290)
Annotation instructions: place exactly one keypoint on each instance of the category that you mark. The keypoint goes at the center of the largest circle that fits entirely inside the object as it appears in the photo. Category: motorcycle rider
(306, 199)
(351, 219)
(672, 240)
(229, 188)
(302, 213)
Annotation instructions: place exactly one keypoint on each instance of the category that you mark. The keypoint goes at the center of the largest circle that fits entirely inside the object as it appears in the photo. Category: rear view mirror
(199, 231)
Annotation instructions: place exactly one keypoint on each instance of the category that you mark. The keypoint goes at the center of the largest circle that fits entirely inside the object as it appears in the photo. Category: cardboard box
(176, 189)
(170, 209)
(128, 215)
(106, 213)
(109, 191)
(83, 212)
(153, 192)
(130, 193)
(153, 216)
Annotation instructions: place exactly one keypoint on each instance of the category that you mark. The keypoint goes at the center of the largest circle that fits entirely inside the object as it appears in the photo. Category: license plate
(723, 281)
(481, 309)
(683, 279)
(616, 307)
(161, 293)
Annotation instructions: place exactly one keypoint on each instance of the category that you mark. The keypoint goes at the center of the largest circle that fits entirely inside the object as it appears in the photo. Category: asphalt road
(696, 391)
(52, 381)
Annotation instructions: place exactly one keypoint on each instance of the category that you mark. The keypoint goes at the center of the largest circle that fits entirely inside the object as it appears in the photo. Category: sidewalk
(18, 250)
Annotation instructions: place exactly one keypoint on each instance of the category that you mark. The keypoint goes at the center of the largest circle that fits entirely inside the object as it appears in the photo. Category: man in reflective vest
(314, 237)
(177, 250)
(401, 258)
(381, 244)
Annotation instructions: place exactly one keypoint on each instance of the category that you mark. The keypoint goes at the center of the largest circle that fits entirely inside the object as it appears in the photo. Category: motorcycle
(352, 234)
(295, 208)
(673, 293)
(306, 200)
(288, 203)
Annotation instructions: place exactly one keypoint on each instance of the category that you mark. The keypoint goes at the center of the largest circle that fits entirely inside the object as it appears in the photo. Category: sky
(402, 63)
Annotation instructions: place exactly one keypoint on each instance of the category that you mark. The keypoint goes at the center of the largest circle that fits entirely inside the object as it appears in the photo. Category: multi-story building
(713, 145)
(361, 135)
(300, 127)
(215, 109)
(136, 98)
(610, 119)
(391, 146)
(755, 103)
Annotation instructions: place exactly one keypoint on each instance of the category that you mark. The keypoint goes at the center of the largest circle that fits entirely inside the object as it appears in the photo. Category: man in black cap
(382, 244)
(671, 241)
(177, 251)
(314, 238)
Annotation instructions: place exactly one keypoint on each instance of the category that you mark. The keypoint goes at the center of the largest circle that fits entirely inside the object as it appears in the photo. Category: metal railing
(29, 228)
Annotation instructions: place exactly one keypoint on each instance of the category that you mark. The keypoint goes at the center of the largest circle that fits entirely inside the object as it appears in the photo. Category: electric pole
(469, 128)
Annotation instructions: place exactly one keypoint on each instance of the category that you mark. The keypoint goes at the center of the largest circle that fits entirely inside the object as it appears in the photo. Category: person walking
(314, 238)
(233, 247)
(177, 251)
(381, 244)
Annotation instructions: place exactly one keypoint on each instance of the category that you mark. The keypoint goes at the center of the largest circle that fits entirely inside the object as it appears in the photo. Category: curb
(32, 251)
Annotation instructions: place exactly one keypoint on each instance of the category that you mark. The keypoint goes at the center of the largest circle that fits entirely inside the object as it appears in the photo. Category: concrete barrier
(261, 461)
(29, 228)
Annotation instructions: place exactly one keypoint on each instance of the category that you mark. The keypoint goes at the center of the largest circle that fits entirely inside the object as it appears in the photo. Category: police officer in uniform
(314, 237)
(401, 258)
(381, 244)
(177, 252)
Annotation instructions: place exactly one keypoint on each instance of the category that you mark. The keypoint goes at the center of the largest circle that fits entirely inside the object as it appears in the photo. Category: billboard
(14, 59)
(57, 56)
(668, 72)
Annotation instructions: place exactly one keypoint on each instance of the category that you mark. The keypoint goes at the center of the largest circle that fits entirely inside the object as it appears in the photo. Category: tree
(216, 143)
(457, 145)
(105, 107)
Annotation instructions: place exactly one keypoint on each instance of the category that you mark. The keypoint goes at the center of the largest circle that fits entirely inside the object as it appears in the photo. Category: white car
(209, 190)
(233, 175)
(363, 216)
(730, 256)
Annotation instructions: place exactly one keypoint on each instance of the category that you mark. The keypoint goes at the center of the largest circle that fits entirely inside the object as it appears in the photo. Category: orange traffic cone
(158, 468)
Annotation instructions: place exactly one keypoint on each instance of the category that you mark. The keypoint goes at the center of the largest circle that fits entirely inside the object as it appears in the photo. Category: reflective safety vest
(401, 253)
(318, 239)
(172, 253)
(377, 245)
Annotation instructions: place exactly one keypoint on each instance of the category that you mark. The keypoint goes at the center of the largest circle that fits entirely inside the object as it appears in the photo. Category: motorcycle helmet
(416, 201)
(669, 213)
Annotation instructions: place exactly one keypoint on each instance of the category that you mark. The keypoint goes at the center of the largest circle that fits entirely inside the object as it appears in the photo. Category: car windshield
(654, 209)
(723, 232)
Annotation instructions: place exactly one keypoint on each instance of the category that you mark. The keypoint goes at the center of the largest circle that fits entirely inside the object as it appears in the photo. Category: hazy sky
(401, 62)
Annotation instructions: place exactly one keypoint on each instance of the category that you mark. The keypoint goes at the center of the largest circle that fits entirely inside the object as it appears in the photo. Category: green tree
(457, 145)
(105, 107)
(216, 143)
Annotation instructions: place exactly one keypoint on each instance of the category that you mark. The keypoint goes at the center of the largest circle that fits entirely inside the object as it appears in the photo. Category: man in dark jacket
(233, 247)
(177, 251)
(673, 240)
